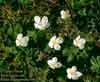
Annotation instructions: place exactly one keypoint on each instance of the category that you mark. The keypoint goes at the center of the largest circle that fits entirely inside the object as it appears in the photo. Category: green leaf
(10, 31)
(33, 35)
(95, 67)
(24, 1)
(2, 1)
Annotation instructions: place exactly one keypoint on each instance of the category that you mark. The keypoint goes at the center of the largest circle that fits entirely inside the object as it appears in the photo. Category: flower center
(19, 40)
(72, 72)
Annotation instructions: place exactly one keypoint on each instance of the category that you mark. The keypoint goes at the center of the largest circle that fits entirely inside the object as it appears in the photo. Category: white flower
(22, 41)
(65, 14)
(79, 42)
(41, 23)
(53, 63)
(72, 73)
(55, 42)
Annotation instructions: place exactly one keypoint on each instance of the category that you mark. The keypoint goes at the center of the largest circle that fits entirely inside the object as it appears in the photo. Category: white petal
(58, 65)
(68, 70)
(17, 43)
(50, 44)
(53, 38)
(78, 37)
(81, 46)
(37, 19)
(36, 25)
(19, 39)
(57, 47)
(65, 14)
(44, 20)
(26, 38)
(53, 67)
(75, 77)
(79, 42)
(24, 42)
(54, 59)
(51, 64)
(59, 40)
(79, 73)
(69, 76)
(74, 42)
(74, 68)
(62, 12)
(41, 27)
(19, 36)
(82, 41)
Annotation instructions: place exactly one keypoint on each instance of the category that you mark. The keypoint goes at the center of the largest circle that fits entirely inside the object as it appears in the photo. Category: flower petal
(68, 70)
(74, 42)
(37, 19)
(74, 68)
(82, 41)
(19, 36)
(75, 77)
(18, 43)
(54, 59)
(65, 14)
(57, 47)
(58, 65)
(69, 76)
(51, 64)
(81, 46)
(51, 45)
(59, 40)
(79, 73)
(44, 20)
(24, 41)
(36, 25)
(53, 38)
(78, 37)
